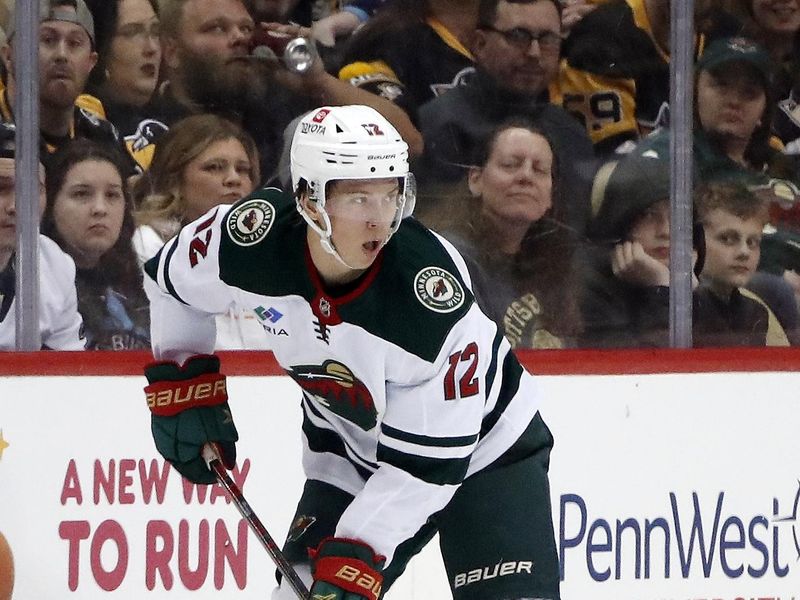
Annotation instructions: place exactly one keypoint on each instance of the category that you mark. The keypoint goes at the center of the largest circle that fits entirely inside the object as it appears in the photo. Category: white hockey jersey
(407, 387)
(59, 321)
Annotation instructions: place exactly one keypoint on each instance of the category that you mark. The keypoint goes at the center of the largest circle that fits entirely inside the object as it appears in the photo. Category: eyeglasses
(521, 38)
(140, 30)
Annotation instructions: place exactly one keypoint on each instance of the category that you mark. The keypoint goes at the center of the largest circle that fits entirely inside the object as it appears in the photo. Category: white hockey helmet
(347, 142)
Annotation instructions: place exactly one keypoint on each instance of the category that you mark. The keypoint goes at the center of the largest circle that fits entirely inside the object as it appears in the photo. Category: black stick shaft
(275, 553)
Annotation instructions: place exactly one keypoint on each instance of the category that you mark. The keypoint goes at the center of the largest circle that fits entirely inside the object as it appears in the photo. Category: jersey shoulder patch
(248, 222)
(259, 233)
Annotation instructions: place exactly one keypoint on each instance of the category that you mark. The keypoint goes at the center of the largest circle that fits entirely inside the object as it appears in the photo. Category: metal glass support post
(26, 116)
(681, 117)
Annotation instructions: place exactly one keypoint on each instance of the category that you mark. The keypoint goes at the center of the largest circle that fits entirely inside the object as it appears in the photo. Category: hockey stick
(211, 456)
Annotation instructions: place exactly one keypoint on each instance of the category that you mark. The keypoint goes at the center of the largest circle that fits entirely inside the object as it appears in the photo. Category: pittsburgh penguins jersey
(87, 123)
(138, 128)
(60, 323)
(614, 77)
(410, 65)
(407, 387)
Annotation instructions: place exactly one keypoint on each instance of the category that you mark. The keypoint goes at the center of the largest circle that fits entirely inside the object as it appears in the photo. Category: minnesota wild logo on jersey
(335, 386)
(250, 221)
(438, 290)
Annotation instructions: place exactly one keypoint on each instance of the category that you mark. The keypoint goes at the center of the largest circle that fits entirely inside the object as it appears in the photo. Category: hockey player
(60, 323)
(417, 417)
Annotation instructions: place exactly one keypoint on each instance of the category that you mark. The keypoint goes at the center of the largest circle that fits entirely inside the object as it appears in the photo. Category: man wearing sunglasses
(516, 49)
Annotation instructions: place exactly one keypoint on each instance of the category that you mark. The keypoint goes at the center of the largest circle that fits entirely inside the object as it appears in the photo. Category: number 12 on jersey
(462, 368)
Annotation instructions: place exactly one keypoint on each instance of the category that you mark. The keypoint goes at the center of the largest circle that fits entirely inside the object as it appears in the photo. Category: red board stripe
(543, 362)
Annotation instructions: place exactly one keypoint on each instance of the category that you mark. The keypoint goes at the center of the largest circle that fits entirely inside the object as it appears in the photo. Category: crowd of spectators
(539, 133)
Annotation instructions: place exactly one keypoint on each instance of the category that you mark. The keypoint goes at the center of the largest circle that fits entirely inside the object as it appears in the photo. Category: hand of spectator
(277, 35)
(326, 30)
(574, 11)
(290, 30)
(632, 264)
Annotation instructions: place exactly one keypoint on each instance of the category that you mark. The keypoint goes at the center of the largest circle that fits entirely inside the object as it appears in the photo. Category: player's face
(516, 183)
(730, 101)
(89, 209)
(8, 213)
(525, 68)
(361, 213)
(135, 53)
(221, 174)
(651, 230)
(65, 60)
(733, 247)
(780, 17)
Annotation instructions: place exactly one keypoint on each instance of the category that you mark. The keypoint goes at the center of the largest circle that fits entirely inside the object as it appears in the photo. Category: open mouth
(371, 246)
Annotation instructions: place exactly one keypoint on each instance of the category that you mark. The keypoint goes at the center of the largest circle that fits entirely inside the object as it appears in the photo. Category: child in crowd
(731, 315)
(625, 297)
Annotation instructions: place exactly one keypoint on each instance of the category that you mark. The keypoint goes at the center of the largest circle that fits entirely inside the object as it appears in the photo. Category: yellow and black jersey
(614, 77)
(139, 129)
(86, 124)
(409, 65)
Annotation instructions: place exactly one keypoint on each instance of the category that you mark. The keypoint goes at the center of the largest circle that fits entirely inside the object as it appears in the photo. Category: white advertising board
(664, 487)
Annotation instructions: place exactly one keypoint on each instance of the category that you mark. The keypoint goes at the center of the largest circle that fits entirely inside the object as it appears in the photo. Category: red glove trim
(349, 574)
(168, 398)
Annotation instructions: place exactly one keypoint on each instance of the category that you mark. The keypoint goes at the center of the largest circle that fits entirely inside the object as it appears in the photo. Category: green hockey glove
(189, 407)
(345, 569)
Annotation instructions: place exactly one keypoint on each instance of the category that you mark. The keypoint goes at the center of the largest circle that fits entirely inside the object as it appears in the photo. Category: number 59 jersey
(407, 387)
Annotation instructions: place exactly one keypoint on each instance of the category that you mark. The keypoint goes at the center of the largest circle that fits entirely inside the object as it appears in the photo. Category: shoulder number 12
(467, 382)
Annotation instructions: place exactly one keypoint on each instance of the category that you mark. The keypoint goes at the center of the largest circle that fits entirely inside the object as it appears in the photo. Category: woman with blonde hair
(203, 161)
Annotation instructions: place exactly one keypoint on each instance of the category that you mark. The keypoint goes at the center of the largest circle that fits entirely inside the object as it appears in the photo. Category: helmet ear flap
(410, 195)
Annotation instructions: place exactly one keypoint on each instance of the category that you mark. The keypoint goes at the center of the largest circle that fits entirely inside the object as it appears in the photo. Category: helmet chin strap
(325, 232)
(327, 245)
